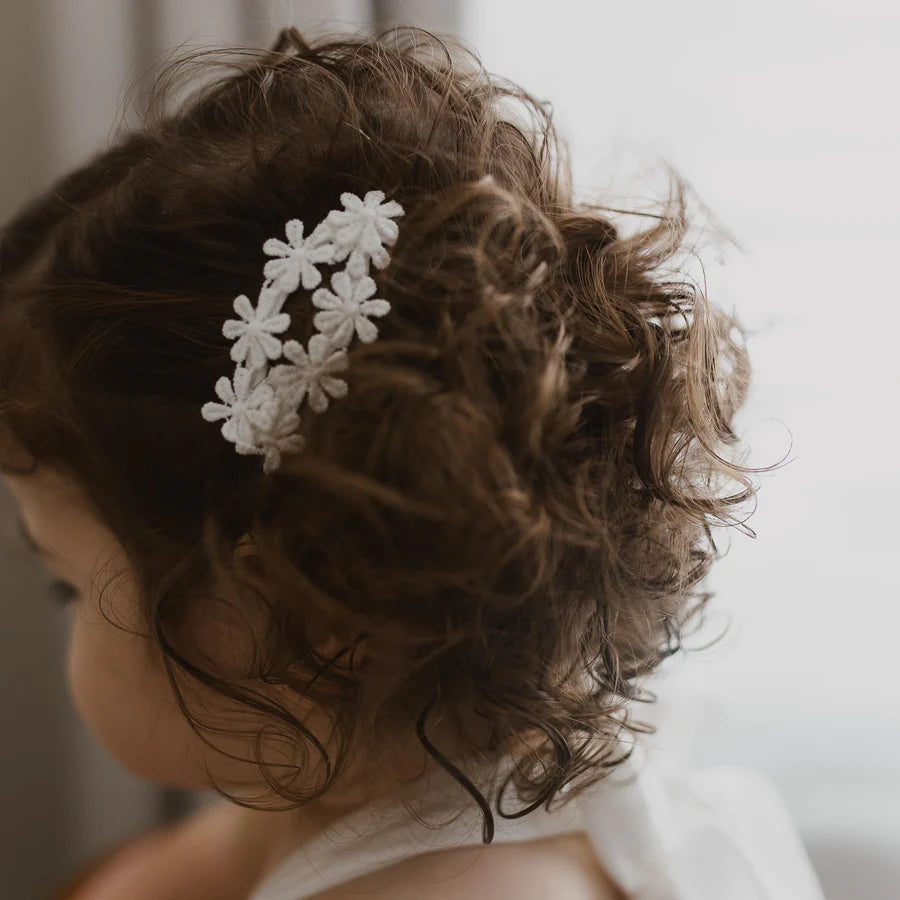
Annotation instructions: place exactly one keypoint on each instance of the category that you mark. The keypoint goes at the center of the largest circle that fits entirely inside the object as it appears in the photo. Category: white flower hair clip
(259, 404)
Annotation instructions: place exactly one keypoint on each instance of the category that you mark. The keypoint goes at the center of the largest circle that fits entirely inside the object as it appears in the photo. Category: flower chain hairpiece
(259, 405)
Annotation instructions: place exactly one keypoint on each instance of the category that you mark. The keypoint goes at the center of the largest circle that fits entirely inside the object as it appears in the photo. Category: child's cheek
(126, 701)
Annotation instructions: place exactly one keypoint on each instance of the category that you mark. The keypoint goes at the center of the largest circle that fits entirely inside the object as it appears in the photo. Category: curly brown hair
(512, 508)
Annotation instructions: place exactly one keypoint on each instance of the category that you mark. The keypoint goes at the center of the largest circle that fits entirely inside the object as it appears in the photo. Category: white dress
(661, 831)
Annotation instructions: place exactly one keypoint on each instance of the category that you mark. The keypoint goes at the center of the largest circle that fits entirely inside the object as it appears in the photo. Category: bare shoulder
(197, 857)
(563, 867)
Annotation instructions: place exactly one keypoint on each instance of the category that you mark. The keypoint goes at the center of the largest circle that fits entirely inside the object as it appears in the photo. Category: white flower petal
(234, 329)
(242, 377)
(351, 201)
(374, 307)
(283, 273)
(255, 355)
(336, 387)
(262, 394)
(212, 412)
(237, 430)
(269, 304)
(240, 349)
(228, 430)
(246, 449)
(243, 307)
(336, 326)
(274, 450)
(318, 402)
(363, 288)
(325, 299)
(276, 247)
(295, 352)
(366, 330)
(357, 264)
(319, 348)
(294, 231)
(224, 390)
(311, 276)
(343, 285)
(272, 461)
(380, 258)
(391, 209)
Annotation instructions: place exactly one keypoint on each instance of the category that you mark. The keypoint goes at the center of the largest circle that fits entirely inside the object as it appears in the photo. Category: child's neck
(270, 837)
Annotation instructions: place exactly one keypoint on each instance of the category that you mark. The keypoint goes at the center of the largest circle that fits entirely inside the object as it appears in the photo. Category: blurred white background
(783, 118)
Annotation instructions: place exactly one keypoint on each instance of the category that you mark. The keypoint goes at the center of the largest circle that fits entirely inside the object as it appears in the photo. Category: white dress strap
(720, 832)
(661, 832)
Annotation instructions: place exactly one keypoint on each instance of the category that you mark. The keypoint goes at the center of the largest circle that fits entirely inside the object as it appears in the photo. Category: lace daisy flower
(249, 408)
(345, 308)
(361, 230)
(281, 436)
(295, 261)
(312, 374)
(256, 329)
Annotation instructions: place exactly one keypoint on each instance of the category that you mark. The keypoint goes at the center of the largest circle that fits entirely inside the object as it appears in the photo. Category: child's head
(483, 548)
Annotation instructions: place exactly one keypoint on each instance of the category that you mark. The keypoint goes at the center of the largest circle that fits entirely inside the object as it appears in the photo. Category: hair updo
(512, 507)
